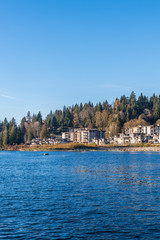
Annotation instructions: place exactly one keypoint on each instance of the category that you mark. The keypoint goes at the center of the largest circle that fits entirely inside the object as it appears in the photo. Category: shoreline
(82, 147)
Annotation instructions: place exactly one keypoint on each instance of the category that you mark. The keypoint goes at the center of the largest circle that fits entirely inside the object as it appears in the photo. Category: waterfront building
(83, 135)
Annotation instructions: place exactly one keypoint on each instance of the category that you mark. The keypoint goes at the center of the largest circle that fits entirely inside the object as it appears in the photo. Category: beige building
(82, 135)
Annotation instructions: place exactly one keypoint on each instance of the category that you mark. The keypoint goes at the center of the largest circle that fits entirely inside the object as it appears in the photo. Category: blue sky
(61, 52)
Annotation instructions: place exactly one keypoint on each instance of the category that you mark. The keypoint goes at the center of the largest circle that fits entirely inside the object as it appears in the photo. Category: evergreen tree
(132, 99)
(128, 114)
(34, 118)
(80, 107)
(29, 134)
(76, 108)
(44, 133)
(5, 121)
(1, 139)
(157, 110)
(5, 137)
(28, 116)
(13, 135)
(22, 129)
(19, 136)
(39, 117)
(13, 122)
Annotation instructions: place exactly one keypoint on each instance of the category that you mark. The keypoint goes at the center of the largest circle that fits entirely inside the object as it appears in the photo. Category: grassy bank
(67, 146)
(85, 147)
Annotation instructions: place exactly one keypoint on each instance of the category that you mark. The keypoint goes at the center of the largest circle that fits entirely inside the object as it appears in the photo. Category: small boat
(46, 154)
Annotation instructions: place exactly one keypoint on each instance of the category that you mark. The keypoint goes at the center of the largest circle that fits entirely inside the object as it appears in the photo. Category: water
(81, 195)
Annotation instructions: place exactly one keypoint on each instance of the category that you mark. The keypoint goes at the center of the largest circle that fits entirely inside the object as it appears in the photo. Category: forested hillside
(126, 111)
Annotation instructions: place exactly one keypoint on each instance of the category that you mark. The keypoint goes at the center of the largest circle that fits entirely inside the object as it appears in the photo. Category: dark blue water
(85, 195)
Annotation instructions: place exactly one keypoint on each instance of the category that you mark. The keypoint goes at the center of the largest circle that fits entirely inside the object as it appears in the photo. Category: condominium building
(82, 135)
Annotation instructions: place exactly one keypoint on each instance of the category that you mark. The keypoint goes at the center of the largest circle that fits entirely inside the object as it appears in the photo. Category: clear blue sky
(62, 52)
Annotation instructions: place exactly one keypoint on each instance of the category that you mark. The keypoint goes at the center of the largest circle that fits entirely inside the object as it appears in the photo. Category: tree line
(123, 112)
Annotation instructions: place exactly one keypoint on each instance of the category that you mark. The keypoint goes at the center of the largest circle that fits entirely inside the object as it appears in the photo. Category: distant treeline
(126, 111)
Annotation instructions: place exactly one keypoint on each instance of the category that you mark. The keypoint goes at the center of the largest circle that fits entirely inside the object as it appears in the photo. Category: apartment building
(82, 135)
(138, 134)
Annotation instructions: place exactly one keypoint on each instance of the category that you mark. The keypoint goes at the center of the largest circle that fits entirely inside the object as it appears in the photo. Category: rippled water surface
(79, 195)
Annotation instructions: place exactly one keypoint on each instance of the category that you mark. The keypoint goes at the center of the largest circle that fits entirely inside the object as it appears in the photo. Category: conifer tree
(43, 133)
(28, 116)
(1, 139)
(13, 135)
(39, 117)
(5, 137)
(29, 134)
(34, 118)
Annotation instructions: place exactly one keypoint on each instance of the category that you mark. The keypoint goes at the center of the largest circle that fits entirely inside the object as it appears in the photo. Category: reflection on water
(91, 195)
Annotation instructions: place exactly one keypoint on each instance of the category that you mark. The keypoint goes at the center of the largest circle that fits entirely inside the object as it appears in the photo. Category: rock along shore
(131, 149)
